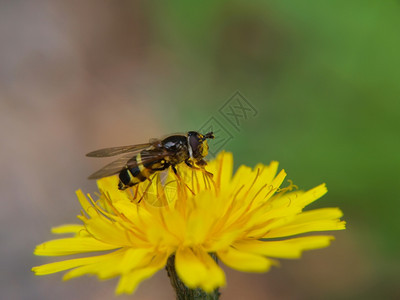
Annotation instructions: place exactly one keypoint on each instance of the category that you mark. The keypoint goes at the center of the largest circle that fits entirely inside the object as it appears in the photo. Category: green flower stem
(182, 291)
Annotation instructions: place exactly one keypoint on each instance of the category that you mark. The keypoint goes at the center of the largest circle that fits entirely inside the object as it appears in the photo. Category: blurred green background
(322, 78)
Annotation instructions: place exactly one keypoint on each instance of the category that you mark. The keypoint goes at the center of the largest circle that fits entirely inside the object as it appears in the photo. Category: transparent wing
(106, 152)
(126, 161)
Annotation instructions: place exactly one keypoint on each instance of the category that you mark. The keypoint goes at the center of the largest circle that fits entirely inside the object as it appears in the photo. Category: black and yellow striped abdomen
(140, 170)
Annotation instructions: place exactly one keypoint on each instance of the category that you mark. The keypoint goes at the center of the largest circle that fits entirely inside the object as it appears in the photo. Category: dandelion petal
(197, 269)
(290, 248)
(243, 261)
(129, 281)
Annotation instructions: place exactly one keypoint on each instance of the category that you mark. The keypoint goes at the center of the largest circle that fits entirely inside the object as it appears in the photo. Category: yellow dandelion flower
(245, 220)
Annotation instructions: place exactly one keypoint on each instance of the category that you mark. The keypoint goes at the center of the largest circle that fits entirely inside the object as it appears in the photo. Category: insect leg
(199, 163)
(174, 169)
(180, 180)
(190, 165)
(147, 188)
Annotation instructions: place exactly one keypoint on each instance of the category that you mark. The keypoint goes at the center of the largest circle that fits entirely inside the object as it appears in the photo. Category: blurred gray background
(322, 80)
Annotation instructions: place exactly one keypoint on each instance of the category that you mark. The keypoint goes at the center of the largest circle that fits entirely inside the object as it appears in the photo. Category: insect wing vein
(106, 152)
(125, 161)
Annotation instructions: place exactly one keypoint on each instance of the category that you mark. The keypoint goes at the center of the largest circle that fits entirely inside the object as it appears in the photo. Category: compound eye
(194, 143)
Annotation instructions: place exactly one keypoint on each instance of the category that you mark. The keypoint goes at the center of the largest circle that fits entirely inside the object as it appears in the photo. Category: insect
(140, 161)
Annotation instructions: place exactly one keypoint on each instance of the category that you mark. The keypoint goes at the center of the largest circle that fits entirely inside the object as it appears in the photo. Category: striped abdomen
(140, 171)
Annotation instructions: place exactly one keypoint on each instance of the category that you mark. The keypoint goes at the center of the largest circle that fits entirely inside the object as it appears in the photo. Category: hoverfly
(140, 161)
